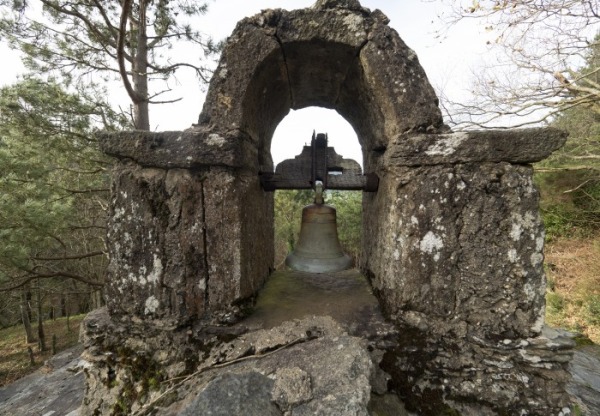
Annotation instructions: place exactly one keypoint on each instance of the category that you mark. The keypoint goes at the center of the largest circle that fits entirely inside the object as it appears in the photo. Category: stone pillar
(190, 242)
(190, 236)
(453, 245)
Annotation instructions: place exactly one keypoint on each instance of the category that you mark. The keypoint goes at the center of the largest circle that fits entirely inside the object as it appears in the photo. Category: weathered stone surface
(337, 365)
(336, 55)
(61, 389)
(387, 405)
(155, 270)
(128, 361)
(452, 240)
(399, 85)
(585, 385)
(247, 393)
(332, 371)
(55, 389)
(304, 45)
(292, 387)
(332, 4)
(455, 254)
(117, 349)
(176, 248)
(192, 148)
(515, 146)
(250, 87)
(436, 375)
(459, 243)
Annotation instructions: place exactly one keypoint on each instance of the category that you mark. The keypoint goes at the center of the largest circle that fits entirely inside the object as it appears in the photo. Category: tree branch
(135, 97)
(71, 257)
(34, 275)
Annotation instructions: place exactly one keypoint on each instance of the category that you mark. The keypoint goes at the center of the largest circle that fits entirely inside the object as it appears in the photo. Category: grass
(573, 295)
(570, 206)
(14, 357)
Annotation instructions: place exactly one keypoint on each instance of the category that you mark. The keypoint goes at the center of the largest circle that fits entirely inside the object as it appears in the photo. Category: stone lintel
(514, 146)
(191, 148)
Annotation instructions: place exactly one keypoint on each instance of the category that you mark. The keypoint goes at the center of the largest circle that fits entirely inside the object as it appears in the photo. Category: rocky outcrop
(56, 389)
(305, 367)
(584, 387)
(285, 357)
(288, 385)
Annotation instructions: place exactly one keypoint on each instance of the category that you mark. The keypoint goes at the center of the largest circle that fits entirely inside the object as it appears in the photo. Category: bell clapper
(319, 193)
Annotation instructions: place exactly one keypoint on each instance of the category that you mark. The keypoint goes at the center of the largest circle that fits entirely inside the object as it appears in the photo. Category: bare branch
(33, 275)
(72, 257)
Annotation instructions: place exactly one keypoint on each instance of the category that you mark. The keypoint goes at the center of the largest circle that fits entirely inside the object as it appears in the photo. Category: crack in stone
(205, 243)
(287, 71)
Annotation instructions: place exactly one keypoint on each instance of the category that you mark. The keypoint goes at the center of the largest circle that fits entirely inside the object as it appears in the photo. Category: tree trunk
(41, 336)
(24, 307)
(63, 305)
(28, 299)
(31, 356)
(141, 111)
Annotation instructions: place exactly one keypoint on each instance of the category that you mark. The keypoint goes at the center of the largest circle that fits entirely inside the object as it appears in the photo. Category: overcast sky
(448, 63)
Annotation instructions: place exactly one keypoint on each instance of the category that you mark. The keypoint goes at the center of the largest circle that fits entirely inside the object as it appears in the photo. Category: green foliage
(582, 340)
(570, 201)
(143, 376)
(592, 309)
(288, 216)
(53, 183)
(555, 303)
(577, 411)
(348, 205)
(570, 178)
(77, 42)
(569, 182)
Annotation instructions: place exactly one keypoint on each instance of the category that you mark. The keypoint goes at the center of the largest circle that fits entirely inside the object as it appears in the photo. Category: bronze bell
(318, 249)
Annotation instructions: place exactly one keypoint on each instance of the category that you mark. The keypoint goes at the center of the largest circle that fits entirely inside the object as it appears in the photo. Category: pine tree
(53, 185)
(89, 42)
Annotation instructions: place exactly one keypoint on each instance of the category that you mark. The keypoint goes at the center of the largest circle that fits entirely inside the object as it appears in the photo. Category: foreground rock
(326, 372)
(306, 367)
(281, 359)
(56, 389)
(585, 385)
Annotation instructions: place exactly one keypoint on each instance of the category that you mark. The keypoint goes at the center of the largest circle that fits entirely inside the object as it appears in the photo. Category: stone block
(156, 245)
(515, 146)
(181, 243)
(250, 85)
(399, 85)
(189, 149)
(461, 244)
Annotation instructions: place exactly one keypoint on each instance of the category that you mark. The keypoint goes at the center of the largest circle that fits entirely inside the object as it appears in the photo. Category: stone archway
(335, 55)
(452, 241)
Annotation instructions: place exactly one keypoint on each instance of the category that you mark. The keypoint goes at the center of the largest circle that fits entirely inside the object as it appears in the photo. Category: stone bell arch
(349, 60)
(452, 240)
